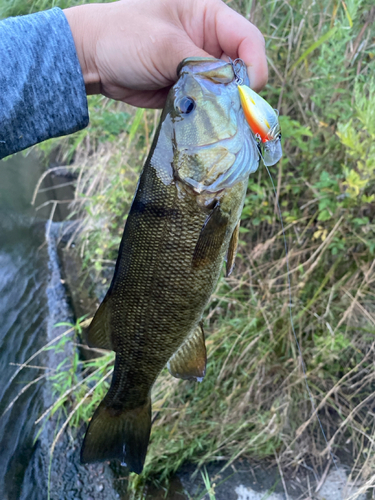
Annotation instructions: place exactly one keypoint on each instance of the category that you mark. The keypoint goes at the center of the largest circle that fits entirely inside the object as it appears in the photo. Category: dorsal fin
(189, 362)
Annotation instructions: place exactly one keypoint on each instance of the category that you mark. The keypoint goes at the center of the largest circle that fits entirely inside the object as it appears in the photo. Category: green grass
(253, 402)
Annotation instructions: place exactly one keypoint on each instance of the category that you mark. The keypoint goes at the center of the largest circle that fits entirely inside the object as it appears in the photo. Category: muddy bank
(245, 480)
(69, 479)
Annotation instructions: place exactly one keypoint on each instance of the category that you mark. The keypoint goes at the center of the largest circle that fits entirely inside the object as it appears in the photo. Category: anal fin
(232, 250)
(189, 362)
(99, 333)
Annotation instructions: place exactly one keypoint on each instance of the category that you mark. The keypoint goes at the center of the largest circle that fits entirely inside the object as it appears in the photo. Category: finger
(236, 37)
(153, 99)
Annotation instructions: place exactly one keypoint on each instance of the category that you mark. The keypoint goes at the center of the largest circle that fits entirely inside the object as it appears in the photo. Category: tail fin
(121, 434)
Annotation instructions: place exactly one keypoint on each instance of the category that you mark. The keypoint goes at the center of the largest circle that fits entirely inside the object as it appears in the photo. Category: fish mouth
(209, 68)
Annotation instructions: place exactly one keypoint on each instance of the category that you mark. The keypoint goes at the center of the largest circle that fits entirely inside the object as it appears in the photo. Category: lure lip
(272, 152)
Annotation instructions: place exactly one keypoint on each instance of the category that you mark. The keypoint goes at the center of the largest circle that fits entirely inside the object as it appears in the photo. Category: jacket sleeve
(42, 92)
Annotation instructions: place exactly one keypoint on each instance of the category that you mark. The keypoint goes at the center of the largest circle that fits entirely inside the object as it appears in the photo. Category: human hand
(129, 50)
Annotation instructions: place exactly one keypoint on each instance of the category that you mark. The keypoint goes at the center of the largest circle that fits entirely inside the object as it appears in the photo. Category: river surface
(25, 303)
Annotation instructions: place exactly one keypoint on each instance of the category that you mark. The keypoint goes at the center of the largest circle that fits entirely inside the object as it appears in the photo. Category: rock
(249, 494)
(335, 487)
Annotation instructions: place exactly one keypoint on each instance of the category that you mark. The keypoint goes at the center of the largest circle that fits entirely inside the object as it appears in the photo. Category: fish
(182, 225)
(264, 123)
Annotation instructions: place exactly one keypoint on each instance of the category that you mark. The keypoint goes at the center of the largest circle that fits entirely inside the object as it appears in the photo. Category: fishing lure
(264, 123)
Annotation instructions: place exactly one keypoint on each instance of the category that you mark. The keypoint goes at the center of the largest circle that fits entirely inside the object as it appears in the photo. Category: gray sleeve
(42, 92)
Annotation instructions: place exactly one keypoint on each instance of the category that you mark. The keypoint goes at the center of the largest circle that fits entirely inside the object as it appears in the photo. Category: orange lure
(264, 123)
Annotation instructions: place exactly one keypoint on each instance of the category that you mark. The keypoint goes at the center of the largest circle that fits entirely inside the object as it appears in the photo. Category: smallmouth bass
(183, 222)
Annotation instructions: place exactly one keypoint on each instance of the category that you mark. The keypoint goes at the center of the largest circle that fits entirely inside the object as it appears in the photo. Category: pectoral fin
(210, 239)
(189, 362)
(232, 250)
(99, 330)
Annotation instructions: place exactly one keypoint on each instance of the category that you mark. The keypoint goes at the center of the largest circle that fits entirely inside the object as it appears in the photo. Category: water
(25, 273)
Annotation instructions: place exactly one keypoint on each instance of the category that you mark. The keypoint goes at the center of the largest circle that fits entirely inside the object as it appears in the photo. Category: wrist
(82, 22)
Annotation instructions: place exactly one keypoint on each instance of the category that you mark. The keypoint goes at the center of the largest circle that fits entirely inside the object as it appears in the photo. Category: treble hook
(238, 65)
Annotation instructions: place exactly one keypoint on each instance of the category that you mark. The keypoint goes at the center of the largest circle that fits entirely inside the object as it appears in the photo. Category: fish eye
(186, 105)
